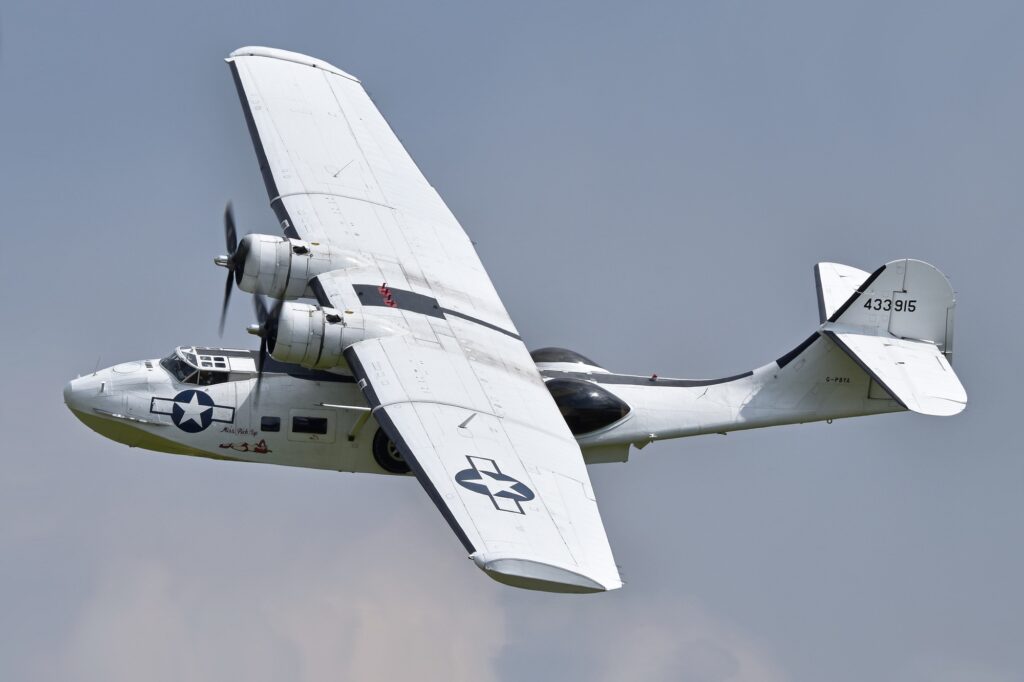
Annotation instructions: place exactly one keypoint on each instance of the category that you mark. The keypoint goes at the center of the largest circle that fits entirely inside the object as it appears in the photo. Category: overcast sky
(648, 184)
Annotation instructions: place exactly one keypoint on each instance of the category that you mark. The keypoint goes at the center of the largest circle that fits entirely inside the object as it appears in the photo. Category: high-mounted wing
(447, 376)
(505, 476)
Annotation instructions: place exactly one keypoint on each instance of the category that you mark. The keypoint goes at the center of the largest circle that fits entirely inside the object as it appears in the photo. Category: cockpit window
(213, 362)
(585, 406)
(178, 368)
(185, 373)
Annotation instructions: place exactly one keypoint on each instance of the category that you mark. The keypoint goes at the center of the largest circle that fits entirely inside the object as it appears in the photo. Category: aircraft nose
(75, 393)
(91, 391)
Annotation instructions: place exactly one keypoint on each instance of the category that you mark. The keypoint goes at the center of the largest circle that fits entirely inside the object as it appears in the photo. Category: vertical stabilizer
(898, 326)
(836, 283)
(907, 299)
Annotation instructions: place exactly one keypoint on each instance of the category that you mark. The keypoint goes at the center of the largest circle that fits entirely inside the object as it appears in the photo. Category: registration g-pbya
(385, 349)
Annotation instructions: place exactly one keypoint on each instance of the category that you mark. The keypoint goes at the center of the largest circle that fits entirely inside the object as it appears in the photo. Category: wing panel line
(355, 138)
(421, 401)
(333, 194)
(477, 320)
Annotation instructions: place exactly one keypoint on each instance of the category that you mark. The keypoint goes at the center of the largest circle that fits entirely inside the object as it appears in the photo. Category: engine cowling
(315, 337)
(279, 267)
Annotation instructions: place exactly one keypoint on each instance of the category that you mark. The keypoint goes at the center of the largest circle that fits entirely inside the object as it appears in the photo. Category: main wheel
(387, 455)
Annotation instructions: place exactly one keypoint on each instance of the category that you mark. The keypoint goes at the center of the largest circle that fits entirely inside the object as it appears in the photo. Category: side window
(312, 426)
(317, 425)
(207, 378)
(270, 423)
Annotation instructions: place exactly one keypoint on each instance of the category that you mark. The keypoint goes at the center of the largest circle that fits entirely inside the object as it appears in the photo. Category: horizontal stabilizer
(836, 284)
(915, 373)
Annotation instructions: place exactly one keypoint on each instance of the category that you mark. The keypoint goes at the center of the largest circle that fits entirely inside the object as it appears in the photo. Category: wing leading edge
(451, 383)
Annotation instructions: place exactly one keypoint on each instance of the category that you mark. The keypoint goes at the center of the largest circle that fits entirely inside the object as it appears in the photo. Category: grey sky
(648, 184)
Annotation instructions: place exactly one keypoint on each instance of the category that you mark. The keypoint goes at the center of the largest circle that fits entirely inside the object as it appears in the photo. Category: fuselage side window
(270, 423)
(309, 425)
(208, 378)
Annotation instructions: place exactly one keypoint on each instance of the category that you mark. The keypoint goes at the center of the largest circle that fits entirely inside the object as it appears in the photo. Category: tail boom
(885, 348)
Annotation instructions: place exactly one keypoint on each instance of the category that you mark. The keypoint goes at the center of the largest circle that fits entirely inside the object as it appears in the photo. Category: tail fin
(836, 284)
(898, 326)
(907, 299)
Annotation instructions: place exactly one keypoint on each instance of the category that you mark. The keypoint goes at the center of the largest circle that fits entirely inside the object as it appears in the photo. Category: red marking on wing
(385, 293)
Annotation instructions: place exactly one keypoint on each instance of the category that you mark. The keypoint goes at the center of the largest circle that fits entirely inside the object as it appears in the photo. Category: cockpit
(208, 366)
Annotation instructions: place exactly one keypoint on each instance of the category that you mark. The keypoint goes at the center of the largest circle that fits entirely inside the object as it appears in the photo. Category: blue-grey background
(649, 184)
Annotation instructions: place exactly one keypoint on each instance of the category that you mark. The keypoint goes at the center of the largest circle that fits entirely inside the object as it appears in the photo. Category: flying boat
(385, 349)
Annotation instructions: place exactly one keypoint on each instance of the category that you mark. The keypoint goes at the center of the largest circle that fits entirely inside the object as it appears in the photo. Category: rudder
(898, 326)
(907, 299)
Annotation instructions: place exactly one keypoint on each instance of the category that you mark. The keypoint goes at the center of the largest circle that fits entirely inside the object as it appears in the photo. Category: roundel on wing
(494, 484)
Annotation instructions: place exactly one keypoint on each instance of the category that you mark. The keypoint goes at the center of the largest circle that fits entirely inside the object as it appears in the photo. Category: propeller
(267, 318)
(234, 261)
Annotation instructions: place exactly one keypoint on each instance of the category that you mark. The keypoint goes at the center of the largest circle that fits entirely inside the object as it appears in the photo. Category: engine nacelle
(279, 267)
(315, 337)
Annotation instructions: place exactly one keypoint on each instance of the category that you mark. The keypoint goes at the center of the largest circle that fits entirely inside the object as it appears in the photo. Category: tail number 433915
(887, 304)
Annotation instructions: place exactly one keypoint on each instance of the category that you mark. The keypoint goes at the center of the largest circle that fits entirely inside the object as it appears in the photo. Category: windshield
(177, 367)
(185, 373)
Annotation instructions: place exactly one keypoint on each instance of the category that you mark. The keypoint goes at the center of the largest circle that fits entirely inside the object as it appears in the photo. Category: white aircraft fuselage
(204, 402)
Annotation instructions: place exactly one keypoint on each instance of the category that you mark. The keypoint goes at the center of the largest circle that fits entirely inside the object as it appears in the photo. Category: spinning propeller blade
(228, 286)
(234, 261)
(267, 331)
(230, 234)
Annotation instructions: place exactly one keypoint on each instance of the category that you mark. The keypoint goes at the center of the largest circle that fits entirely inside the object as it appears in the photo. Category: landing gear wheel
(387, 455)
